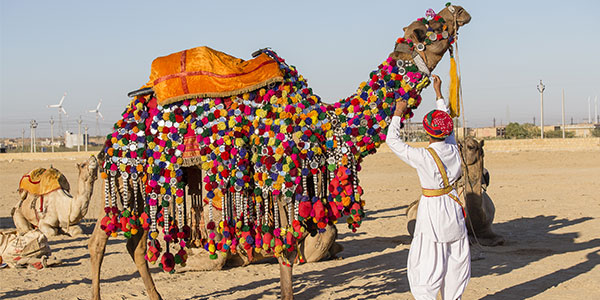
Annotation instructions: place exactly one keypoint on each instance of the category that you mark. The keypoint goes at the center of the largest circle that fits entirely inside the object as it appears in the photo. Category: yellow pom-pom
(134, 231)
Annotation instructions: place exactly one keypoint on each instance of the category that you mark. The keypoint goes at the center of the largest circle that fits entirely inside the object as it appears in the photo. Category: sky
(103, 49)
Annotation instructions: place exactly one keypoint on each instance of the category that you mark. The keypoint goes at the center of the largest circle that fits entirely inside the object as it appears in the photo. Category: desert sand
(547, 199)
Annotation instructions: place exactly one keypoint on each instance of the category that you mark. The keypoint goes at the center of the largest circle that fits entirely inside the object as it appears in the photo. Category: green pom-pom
(127, 234)
(448, 4)
(245, 228)
(265, 228)
(213, 256)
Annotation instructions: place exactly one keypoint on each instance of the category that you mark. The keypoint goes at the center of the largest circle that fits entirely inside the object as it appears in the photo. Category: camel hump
(202, 72)
(42, 181)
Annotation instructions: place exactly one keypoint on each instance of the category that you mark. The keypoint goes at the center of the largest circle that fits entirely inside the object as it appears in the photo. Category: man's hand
(437, 86)
(400, 108)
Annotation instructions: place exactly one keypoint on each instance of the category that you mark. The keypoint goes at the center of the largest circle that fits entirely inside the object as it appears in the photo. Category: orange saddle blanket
(43, 181)
(204, 72)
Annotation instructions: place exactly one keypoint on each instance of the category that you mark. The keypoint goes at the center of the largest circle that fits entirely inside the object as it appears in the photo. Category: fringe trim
(219, 94)
(191, 161)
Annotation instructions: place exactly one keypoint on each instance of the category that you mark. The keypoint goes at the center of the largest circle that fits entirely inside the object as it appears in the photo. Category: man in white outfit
(439, 257)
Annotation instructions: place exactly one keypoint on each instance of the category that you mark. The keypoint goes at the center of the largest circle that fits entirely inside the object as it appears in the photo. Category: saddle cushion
(43, 181)
(206, 73)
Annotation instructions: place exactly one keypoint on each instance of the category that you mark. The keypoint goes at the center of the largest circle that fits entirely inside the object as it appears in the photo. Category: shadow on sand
(528, 241)
(384, 274)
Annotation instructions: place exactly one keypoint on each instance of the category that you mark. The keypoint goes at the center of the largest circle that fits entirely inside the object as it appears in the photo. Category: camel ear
(481, 144)
(404, 29)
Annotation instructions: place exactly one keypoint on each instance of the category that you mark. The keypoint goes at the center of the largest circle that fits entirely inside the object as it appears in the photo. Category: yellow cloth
(43, 181)
(204, 72)
(454, 87)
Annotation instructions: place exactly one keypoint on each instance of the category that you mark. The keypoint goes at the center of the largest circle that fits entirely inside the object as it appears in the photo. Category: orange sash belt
(447, 189)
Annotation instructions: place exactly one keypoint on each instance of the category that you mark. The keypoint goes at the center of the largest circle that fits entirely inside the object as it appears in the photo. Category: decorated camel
(472, 188)
(266, 162)
(47, 204)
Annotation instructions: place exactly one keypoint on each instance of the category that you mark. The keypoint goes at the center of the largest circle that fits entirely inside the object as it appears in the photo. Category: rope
(457, 58)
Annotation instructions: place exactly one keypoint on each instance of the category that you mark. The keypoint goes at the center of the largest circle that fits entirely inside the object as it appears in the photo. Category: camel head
(472, 151)
(88, 170)
(431, 38)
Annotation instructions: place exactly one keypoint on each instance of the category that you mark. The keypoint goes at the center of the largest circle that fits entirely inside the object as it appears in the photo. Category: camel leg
(20, 221)
(74, 230)
(285, 276)
(136, 246)
(47, 229)
(320, 246)
(97, 246)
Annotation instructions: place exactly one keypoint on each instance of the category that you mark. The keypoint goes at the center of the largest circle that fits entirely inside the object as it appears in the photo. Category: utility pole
(596, 110)
(533, 120)
(494, 122)
(85, 137)
(589, 111)
(33, 125)
(571, 120)
(52, 134)
(541, 87)
(79, 134)
(563, 112)
(23, 140)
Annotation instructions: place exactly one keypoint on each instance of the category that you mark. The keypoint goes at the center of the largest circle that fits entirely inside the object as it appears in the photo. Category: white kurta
(439, 254)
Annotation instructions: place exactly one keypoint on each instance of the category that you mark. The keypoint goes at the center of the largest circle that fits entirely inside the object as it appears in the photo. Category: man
(439, 257)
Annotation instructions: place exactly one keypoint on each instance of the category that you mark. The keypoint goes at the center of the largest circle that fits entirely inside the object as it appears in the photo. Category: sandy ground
(547, 207)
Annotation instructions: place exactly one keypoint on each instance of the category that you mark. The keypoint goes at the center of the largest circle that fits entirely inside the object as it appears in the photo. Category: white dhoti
(434, 266)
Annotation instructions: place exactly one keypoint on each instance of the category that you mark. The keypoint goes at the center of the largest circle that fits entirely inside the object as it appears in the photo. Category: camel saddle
(206, 73)
(43, 181)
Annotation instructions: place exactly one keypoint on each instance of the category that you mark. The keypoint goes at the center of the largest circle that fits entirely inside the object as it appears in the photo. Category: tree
(516, 131)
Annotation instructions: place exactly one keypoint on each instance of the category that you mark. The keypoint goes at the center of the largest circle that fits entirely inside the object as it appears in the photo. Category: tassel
(454, 86)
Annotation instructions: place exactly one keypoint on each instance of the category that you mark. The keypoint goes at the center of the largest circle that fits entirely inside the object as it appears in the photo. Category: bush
(553, 134)
(517, 131)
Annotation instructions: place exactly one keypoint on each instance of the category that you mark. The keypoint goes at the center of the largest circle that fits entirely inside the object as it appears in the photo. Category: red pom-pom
(210, 225)
(304, 209)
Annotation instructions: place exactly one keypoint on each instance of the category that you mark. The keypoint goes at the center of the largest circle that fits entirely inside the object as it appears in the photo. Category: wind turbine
(98, 114)
(60, 110)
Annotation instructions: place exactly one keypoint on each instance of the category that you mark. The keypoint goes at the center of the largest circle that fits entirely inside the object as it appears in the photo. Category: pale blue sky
(96, 50)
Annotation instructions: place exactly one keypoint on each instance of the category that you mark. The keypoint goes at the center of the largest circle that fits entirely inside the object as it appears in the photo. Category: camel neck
(367, 114)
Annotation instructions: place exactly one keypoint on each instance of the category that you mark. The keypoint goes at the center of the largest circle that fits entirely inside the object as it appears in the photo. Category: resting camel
(478, 205)
(57, 211)
(276, 164)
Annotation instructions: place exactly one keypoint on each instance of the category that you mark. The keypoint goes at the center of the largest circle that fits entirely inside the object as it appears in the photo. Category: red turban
(438, 124)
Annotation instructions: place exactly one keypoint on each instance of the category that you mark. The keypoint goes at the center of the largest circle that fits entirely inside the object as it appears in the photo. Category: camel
(478, 205)
(276, 165)
(57, 211)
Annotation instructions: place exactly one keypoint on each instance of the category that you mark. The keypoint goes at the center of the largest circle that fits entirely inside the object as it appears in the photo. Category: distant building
(73, 140)
(488, 132)
(580, 130)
